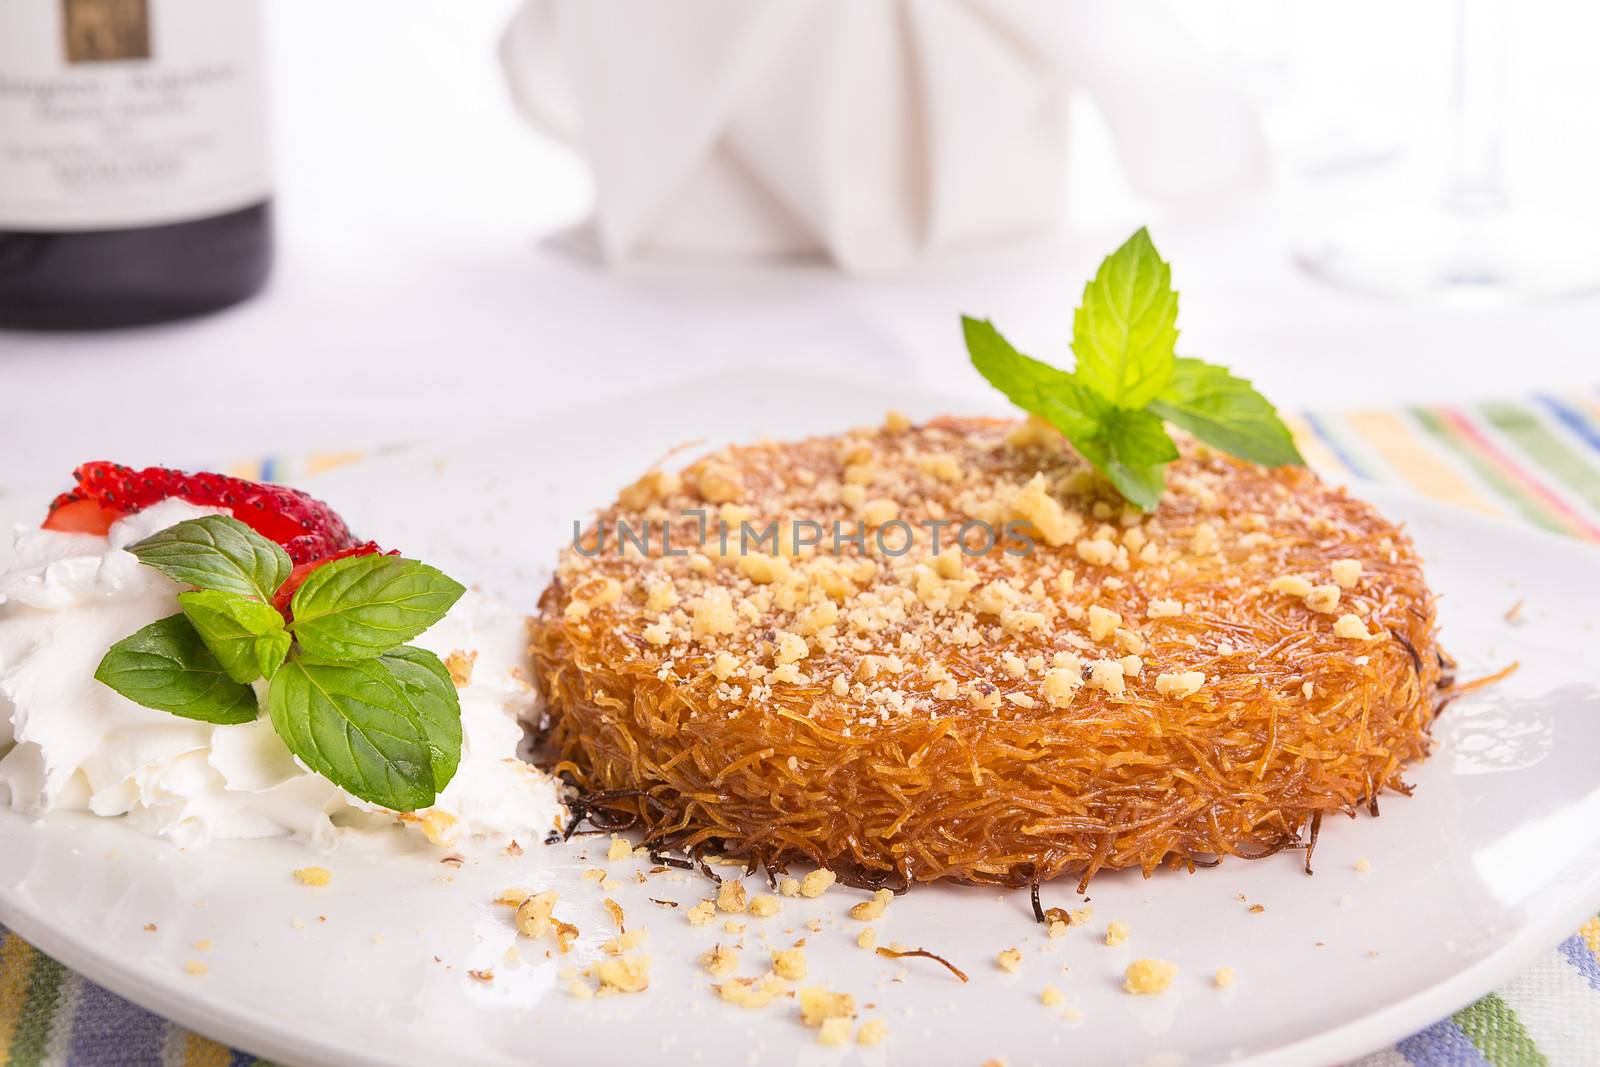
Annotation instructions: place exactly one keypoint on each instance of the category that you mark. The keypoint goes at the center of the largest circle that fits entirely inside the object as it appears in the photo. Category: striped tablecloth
(1536, 460)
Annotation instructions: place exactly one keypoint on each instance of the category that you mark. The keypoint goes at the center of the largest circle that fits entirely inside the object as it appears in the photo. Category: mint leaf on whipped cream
(365, 605)
(247, 636)
(426, 686)
(167, 667)
(354, 724)
(217, 552)
(378, 718)
(1128, 381)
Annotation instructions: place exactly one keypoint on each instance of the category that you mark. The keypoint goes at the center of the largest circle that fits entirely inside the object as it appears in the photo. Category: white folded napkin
(870, 130)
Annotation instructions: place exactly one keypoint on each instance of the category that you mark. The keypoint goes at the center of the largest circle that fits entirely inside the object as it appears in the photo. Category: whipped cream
(67, 742)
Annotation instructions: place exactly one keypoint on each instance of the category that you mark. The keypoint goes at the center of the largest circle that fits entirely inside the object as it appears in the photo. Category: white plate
(1488, 864)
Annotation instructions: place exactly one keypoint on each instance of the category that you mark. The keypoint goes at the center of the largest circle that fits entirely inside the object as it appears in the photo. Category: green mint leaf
(365, 605)
(1125, 331)
(1132, 449)
(217, 552)
(1227, 413)
(351, 723)
(426, 685)
(1080, 414)
(271, 650)
(1025, 381)
(166, 666)
(1034, 386)
(245, 635)
(1094, 425)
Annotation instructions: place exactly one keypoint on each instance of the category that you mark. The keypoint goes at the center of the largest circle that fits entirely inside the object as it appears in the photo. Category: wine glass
(1430, 209)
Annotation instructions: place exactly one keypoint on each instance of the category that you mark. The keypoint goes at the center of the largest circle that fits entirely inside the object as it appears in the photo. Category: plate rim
(237, 1027)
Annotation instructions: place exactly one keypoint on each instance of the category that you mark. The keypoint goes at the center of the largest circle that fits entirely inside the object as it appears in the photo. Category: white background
(431, 281)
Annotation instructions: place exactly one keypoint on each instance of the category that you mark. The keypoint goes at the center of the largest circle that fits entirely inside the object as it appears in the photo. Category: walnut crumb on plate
(816, 883)
(869, 910)
(818, 1004)
(789, 963)
(835, 1031)
(1146, 976)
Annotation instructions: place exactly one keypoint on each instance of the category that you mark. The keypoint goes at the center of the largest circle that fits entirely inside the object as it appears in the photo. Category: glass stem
(1476, 185)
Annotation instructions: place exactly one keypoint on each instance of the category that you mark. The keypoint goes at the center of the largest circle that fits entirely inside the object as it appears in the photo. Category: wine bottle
(134, 176)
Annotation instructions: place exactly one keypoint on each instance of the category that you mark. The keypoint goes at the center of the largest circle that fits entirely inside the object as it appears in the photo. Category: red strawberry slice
(306, 527)
(78, 516)
(302, 571)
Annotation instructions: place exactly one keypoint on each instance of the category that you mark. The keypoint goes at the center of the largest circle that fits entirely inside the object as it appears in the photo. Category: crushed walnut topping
(1181, 684)
(1351, 628)
(879, 635)
(1323, 599)
(1291, 585)
(1346, 572)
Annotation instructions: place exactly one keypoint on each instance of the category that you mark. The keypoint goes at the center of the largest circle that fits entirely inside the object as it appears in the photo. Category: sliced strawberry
(79, 516)
(302, 571)
(306, 527)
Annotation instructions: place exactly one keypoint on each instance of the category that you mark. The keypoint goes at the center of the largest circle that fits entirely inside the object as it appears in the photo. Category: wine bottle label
(125, 113)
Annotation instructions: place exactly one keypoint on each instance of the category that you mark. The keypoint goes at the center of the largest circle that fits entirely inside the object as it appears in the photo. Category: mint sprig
(355, 703)
(1128, 381)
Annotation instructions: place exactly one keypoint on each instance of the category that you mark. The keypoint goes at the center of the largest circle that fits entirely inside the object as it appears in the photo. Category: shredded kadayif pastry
(1203, 681)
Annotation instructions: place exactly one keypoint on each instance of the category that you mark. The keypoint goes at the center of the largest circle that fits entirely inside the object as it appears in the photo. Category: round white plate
(1489, 863)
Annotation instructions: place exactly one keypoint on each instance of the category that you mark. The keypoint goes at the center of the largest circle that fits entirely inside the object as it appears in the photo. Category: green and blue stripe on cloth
(1536, 460)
